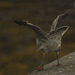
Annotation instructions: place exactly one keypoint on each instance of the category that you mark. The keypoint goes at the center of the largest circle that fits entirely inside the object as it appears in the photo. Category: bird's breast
(52, 45)
(49, 45)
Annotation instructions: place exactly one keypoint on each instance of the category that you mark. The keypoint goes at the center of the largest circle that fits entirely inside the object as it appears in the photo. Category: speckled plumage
(52, 42)
(48, 42)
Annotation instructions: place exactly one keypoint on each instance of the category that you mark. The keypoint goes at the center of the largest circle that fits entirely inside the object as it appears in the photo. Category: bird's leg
(41, 65)
(42, 59)
(57, 55)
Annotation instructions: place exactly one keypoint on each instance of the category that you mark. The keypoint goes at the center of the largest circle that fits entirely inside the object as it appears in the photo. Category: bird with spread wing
(48, 42)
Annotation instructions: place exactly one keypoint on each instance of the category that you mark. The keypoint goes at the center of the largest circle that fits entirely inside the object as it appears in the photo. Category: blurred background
(18, 54)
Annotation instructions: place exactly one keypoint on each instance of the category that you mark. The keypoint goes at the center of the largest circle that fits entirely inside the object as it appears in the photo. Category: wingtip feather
(20, 22)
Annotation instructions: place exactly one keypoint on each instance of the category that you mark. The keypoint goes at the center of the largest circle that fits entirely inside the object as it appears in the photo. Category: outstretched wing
(54, 23)
(61, 30)
(39, 32)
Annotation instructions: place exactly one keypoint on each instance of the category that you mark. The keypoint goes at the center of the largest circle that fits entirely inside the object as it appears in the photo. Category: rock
(67, 67)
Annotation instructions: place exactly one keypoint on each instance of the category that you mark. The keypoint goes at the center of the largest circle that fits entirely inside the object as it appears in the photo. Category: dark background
(18, 54)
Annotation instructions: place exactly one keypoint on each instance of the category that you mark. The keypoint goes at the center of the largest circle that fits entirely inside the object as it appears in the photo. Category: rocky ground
(66, 67)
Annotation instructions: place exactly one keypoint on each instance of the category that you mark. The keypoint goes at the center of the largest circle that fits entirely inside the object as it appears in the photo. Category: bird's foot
(39, 68)
(58, 64)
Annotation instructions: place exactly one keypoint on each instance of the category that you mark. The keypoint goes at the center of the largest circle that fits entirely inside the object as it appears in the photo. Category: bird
(48, 42)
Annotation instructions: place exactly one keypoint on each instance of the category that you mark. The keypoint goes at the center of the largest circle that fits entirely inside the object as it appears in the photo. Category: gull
(47, 42)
